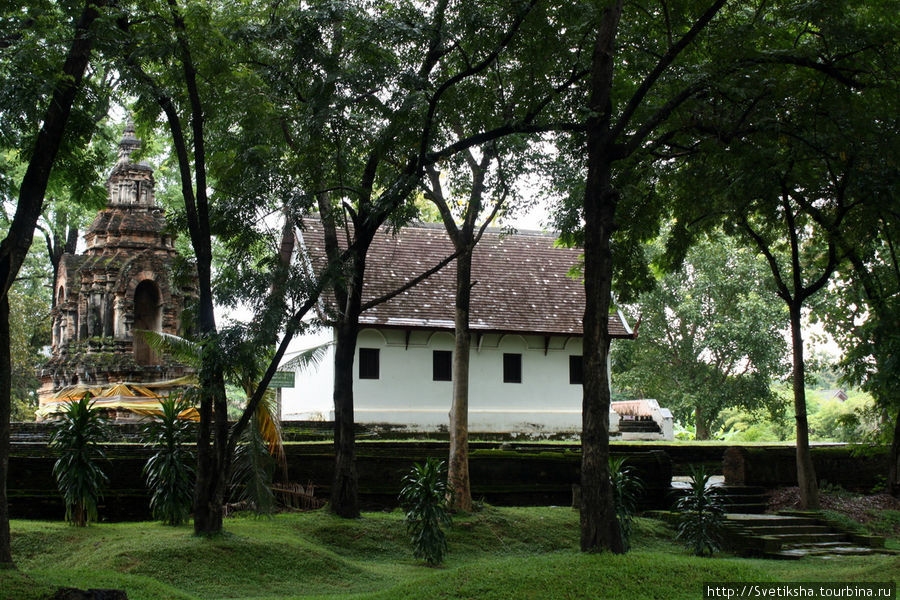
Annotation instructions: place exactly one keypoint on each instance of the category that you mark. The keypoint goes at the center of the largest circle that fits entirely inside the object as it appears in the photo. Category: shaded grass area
(497, 553)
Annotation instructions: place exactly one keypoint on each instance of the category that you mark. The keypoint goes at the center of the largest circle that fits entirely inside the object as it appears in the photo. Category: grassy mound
(496, 553)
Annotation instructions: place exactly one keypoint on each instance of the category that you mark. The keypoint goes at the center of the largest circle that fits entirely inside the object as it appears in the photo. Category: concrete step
(809, 538)
(826, 550)
(638, 427)
(744, 498)
(746, 508)
(760, 520)
(754, 490)
(782, 529)
(795, 534)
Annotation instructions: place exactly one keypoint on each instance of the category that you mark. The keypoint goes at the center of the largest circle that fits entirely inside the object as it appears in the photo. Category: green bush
(169, 472)
(424, 498)
(702, 516)
(78, 476)
(626, 488)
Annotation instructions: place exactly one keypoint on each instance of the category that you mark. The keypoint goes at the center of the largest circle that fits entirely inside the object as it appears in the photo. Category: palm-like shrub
(626, 489)
(702, 515)
(78, 476)
(169, 472)
(254, 466)
(424, 498)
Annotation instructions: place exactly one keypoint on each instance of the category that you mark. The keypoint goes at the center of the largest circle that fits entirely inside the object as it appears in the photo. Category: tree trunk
(701, 431)
(599, 528)
(17, 242)
(806, 473)
(5, 412)
(345, 488)
(458, 471)
(893, 483)
(213, 464)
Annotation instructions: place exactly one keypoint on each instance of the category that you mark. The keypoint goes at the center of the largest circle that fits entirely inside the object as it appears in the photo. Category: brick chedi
(124, 281)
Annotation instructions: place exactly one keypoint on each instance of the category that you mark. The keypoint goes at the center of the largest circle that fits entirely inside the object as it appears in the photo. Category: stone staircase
(742, 499)
(795, 534)
(638, 425)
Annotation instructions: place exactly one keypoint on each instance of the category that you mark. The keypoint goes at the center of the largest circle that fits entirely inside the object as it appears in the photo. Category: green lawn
(515, 553)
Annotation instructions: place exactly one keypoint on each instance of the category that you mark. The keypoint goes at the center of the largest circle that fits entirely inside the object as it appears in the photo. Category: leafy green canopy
(710, 337)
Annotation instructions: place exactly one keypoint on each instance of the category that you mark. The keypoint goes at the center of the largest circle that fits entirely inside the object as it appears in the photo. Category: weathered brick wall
(501, 475)
(858, 469)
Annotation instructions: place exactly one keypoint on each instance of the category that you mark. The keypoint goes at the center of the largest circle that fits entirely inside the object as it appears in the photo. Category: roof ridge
(427, 225)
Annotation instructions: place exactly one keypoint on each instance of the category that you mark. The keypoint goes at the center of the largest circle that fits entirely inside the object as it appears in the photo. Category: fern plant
(80, 479)
(424, 498)
(626, 489)
(169, 472)
(702, 517)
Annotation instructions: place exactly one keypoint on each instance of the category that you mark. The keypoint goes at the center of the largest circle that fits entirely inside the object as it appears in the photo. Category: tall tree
(626, 118)
(710, 337)
(17, 242)
(465, 236)
(181, 63)
(862, 309)
(367, 123)
(781, 170)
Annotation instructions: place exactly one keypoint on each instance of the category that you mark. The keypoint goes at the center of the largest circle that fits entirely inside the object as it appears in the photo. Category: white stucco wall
(405, 392)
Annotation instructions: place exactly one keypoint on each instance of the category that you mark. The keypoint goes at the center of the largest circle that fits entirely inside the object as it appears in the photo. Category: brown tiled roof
(521, 281)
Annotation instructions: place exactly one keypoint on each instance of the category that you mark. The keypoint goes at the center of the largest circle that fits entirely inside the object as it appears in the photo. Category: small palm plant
(169, 474)
(702, 515)
(424, 498)
(626, 489)
(254, 468)
(78, 476)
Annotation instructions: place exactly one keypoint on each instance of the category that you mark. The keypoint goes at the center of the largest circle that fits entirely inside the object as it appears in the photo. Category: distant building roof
(521, 281)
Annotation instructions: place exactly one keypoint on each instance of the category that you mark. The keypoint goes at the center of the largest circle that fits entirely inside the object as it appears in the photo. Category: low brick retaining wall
(857, 469)
(501, 474)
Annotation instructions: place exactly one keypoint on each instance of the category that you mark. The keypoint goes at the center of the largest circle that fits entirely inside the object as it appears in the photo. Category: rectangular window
(576, 370)
(512, 368)
(369, 365)
(442, 365)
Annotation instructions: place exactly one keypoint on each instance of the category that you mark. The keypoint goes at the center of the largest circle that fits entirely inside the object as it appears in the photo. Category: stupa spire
(129, 143)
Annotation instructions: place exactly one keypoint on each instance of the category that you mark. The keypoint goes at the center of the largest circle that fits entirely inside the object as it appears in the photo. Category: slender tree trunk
(212, 434)
(599, 528)
(701, 431)
(17, 242)
(894, 466)
(458, 471)
(806, 473)
(5, 413)
(345, 488)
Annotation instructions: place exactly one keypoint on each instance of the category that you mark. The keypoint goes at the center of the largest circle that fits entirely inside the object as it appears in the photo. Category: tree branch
(668, 58)
(411, 283)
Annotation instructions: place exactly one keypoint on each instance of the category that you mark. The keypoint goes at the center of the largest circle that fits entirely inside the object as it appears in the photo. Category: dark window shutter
(576, 370)
(512, 368)
(442, 365)
(369, 364)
